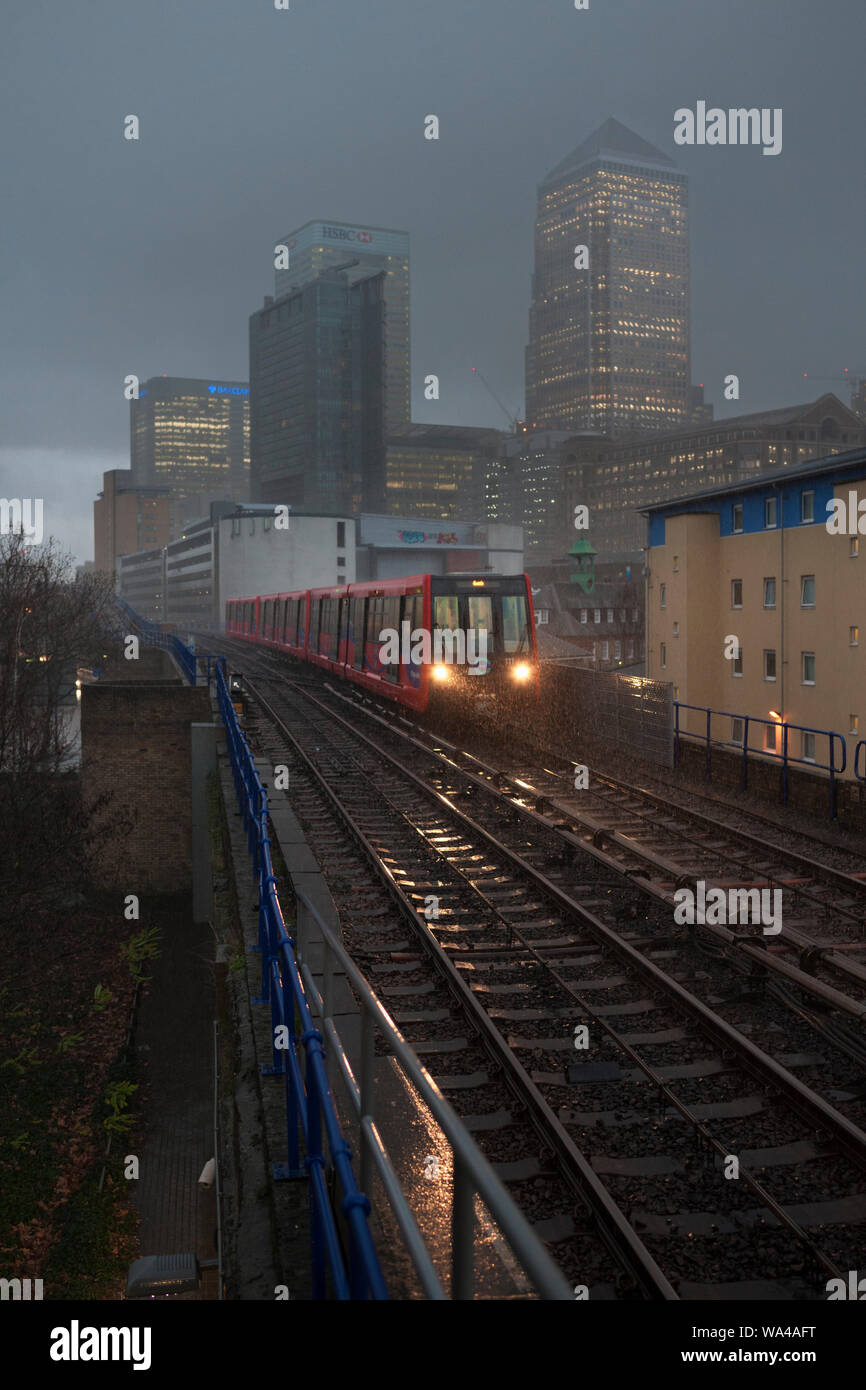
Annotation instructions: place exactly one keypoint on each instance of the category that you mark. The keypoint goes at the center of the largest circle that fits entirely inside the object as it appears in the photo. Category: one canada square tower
(609, 322)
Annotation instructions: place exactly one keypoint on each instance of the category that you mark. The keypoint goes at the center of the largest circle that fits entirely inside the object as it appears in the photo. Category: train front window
(480, 618)
(446, 611)
(503, 618)
(515, 629)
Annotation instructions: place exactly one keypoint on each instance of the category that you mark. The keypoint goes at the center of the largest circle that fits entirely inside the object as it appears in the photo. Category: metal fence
(310, 1111)
(777, 752)
(633, 712)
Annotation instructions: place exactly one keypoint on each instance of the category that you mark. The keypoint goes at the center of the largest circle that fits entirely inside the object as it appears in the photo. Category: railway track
(695, 1064)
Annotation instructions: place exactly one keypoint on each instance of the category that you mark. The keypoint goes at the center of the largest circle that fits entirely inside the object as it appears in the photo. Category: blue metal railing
(310, 1106)
(310, 1110)
(167, 641)
(784, 758)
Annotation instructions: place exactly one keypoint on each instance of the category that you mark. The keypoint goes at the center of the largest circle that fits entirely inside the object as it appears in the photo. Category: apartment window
(807, 746)
(622, 615)
(854, 548)
(808, 668)
(737, 517)
(770, 592)
(736, 593)
(617, 651)
(236, 526)
(807, 591)
(676, 564)
(584, 614)
(807, 506)
(630, 650)
(737, 663)
(853, 723)
(605, 651)
(853, 636)
(634, 615)
(663, 653)
(676, 629)
(770, 738)
(771, 512)
(341, 535)
(596, 615)
(663, 595)
(736, 730)
(610, 615)
(769, 665)
(341, 562)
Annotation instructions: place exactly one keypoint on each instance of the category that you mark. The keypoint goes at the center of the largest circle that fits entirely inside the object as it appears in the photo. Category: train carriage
(458, 642)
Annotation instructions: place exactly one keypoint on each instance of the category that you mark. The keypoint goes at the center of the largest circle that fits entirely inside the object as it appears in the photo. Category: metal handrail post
(744, 776)
(367, 1086)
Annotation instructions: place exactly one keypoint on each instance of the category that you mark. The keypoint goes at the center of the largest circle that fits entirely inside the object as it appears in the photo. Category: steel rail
(624, 1241)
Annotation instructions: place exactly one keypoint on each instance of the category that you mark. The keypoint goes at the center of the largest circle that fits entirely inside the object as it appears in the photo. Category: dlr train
(461, 643)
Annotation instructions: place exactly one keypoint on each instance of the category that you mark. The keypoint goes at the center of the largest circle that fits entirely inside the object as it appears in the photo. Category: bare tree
(51, 622)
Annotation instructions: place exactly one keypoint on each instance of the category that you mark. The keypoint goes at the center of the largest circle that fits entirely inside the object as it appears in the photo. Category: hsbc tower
(319, 245)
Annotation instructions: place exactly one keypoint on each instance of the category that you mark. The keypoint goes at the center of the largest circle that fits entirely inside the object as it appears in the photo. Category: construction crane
(515, 424)
(845, 375)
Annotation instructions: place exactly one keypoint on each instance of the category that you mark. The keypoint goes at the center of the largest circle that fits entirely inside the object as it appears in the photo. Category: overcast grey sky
(148, 257)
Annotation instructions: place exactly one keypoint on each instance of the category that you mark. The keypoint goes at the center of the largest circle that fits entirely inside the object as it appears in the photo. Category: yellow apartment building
(756, 609)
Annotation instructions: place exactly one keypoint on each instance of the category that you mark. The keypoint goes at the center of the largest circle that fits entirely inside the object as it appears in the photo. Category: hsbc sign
(345, 234)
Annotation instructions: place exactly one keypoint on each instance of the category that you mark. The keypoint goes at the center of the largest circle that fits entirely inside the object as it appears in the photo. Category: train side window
(333, 624)
(358, 621)
(324, 627)
(413, 612)
(344, 623)
(374, 627)
(315, 605)
(391, 624)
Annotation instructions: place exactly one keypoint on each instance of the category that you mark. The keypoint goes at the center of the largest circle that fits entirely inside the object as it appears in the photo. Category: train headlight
(440, 673)
(522, 672)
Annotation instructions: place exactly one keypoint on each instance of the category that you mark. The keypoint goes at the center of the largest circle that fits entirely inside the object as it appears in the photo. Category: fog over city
(148, 256)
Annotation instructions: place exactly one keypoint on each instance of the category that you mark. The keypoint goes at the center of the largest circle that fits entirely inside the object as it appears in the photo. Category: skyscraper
(609, 327)
(317, 397)
(318, 245)
(191, 435)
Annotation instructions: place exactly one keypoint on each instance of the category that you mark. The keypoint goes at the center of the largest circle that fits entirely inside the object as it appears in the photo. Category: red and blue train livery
(340, 629)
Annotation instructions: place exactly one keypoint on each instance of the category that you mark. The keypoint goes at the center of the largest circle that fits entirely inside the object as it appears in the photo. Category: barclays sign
(229, 390)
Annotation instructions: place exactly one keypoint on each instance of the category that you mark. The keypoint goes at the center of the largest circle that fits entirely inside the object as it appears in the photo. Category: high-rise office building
(438, 471)
(609, 325)
(127, 518)
(319, 245)
(317, 397)
(192, 436)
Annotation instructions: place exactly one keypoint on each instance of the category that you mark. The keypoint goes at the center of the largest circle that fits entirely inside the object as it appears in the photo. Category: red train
(462, 642)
